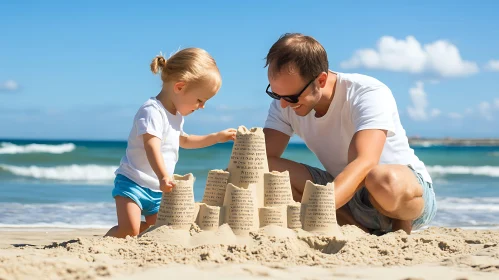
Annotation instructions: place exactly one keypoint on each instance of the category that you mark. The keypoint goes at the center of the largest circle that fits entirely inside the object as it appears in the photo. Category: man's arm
(364, 153)
(275, 142)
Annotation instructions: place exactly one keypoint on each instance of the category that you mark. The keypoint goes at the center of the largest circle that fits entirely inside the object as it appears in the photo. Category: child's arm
(201, 141)
(152, 146)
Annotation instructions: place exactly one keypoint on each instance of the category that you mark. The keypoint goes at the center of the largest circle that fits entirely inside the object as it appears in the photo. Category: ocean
(68, 184)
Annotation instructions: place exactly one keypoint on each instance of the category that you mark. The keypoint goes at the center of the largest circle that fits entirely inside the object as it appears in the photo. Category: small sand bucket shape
(293, 215)
(277, 189)
(248, 161)
(318, 208)
(209, 217)
(273, 215)
(215, 187)
(177, 207)
(240, 209)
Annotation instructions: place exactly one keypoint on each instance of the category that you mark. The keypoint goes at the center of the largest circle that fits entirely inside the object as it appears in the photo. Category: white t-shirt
(360, 102)
(154, 119)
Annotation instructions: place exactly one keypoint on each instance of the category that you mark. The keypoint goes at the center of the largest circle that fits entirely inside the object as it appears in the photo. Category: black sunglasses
(289, 98)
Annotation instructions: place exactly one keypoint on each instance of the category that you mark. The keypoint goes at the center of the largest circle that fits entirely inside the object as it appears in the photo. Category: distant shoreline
(413, 141)
(418, 141)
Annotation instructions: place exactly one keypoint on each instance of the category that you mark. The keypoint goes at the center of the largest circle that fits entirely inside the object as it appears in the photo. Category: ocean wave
(477, 204)
(87, 173)
(58, 215)
(475, 212)
(9, 148)
(6, 227)
(491, 171)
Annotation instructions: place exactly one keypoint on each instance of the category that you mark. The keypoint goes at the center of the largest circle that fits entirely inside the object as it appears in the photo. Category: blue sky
(80, 69)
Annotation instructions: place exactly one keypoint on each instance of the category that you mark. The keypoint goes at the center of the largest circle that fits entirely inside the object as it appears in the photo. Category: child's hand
(166, 184)
(226, 135)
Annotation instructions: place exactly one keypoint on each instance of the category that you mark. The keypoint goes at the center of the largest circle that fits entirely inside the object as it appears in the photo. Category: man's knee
(383, 184)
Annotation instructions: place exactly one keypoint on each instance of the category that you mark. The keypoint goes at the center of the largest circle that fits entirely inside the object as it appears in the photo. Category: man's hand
(226, 135)
(166, 184)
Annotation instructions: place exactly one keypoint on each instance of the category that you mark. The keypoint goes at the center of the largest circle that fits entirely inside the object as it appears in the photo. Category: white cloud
(230, 108)
(484, 109)
(417, 111)
(455, 116)
(435, 113)
(492, 65)
(226, 118)
(496, 103)
(441, 57)
(468, 111)
(9, 85)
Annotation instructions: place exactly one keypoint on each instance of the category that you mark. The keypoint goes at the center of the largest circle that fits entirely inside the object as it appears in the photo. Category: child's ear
(178, 87)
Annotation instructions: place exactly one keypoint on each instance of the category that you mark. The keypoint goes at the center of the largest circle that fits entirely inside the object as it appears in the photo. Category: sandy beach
(271, 252)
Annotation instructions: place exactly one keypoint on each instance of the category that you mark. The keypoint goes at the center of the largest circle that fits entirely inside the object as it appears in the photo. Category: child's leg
(129, 218)
(151, 206)
(150, 221)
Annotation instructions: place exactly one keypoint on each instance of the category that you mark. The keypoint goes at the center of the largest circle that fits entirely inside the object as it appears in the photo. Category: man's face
(290, 83)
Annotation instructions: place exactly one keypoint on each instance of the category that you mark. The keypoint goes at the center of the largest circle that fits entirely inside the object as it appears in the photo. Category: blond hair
(190, 65)
(300, 51)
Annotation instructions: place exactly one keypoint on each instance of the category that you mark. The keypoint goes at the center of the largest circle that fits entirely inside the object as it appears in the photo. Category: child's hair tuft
(190, 65)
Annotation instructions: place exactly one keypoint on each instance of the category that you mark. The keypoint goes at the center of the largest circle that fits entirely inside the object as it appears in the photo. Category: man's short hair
(301, 51)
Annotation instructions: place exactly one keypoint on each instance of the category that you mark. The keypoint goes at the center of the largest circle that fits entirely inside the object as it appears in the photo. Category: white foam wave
(57, 215)
(52, 226)
(477, 204)
(73, 172)
(9, 148)
(491, 171)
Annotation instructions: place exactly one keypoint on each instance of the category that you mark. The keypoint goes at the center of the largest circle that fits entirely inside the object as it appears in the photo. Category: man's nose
(284, 103)
(201, 105)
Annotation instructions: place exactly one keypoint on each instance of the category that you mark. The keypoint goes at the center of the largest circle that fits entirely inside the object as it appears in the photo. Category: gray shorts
(363, 211)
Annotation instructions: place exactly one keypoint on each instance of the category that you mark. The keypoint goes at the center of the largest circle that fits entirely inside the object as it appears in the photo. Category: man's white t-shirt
(360, 102)
(154, 119)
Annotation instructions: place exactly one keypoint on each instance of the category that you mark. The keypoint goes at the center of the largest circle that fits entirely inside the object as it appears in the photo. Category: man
(351, 123)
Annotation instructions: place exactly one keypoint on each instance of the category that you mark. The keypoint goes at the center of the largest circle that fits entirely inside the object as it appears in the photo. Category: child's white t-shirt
(154, 119)
(360, 102)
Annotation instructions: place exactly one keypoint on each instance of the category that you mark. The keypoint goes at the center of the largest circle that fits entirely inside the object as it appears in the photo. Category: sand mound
(270, 246)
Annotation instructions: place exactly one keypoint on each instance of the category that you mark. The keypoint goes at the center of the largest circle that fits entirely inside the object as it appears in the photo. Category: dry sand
(272, 252)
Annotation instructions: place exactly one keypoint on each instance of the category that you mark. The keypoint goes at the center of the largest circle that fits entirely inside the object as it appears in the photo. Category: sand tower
(318, 208)
(248, 161)
(177, 207)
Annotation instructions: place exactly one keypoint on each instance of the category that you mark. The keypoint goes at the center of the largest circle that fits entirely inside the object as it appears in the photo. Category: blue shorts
(363, 211)
(145, 198)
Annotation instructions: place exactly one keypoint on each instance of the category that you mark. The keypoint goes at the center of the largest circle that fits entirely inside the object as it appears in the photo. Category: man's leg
(396, 193)
(299, 174)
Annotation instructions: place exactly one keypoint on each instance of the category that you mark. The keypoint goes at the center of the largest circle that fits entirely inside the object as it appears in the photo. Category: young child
(190, 78)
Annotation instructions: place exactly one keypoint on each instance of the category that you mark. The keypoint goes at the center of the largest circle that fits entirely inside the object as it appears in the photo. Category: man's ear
(322, 79)
(178, 87)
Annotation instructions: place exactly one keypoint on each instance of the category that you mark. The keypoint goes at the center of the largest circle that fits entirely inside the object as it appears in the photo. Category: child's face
(194, 97)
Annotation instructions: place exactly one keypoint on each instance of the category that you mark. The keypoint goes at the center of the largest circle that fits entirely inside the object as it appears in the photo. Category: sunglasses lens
(291, 99)
(273, 95)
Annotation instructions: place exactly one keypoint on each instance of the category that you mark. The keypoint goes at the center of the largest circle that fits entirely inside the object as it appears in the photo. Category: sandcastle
(247, 196)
